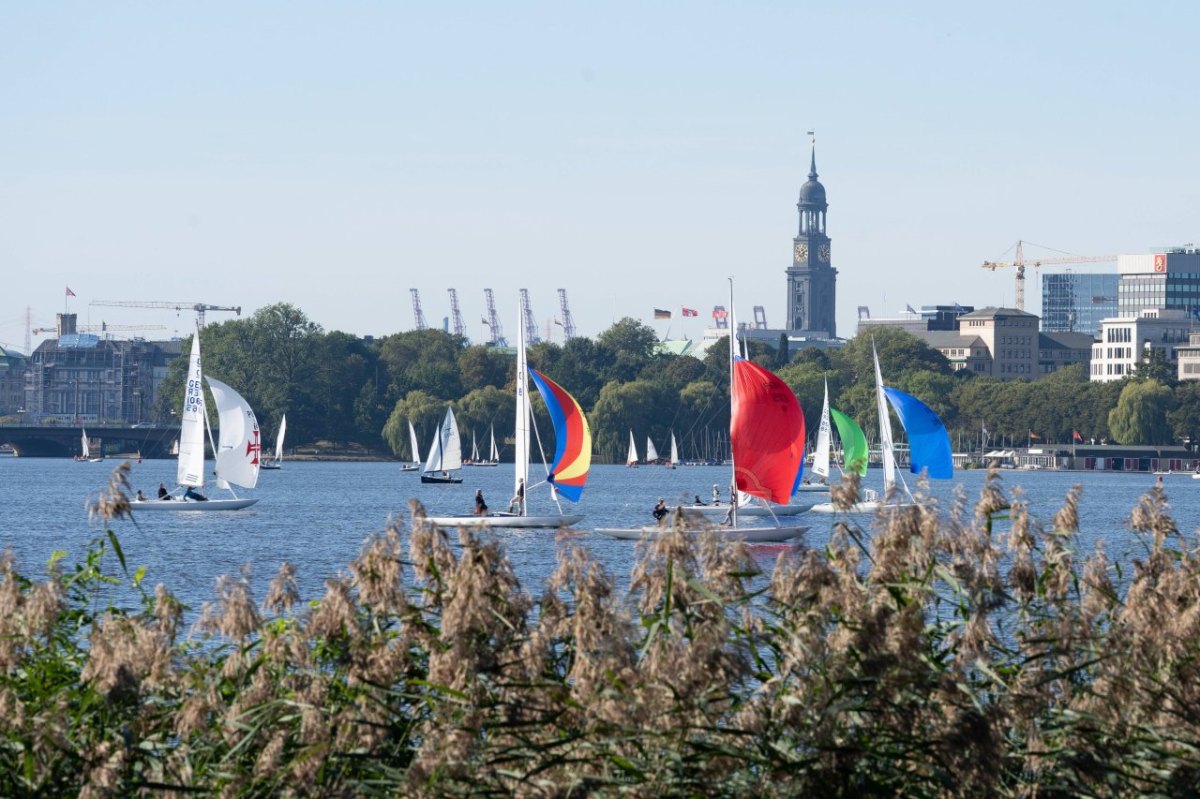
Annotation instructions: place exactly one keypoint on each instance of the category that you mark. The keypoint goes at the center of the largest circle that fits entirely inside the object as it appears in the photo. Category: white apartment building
(1124, 341)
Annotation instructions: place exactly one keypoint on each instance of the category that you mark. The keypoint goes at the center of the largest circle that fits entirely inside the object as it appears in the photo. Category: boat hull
(192, 504)
(750, 535)
(269, 466)
(506, 520)
(409, 467)
(721, 511)
(426, 478)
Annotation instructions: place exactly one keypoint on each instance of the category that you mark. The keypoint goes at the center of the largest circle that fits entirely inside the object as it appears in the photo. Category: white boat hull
(815, 488)
(505, 520)
(721, 511)
(192, 504)
(750, 535)
(870, 506)
(269, 465)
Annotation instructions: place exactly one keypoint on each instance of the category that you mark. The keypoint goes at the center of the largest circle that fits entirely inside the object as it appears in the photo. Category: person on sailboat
(163, 493)
(140, 496)
(481, 508)
(716, 494)
(193, 494)
(518, 501)
(698, 501)
(660, 510)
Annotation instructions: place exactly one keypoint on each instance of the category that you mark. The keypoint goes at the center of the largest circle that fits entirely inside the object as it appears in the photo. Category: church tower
(812, 282)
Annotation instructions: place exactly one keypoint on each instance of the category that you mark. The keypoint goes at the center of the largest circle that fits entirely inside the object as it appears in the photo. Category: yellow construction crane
(1020, 263)
(198, 307)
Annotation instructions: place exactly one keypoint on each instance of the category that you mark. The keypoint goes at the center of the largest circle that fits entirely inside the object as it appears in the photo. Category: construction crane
(531, 331)
(456, 315)
(1020, 263)
(493, 321)
(199, 307)
(418, 314)
(568, 323)
(760, 317)
(103, 327)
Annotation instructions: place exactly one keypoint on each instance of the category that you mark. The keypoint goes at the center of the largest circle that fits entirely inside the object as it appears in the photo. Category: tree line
(343, 389)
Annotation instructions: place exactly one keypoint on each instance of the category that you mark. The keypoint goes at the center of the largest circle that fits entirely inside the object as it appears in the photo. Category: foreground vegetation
(341, 388)
(935, 656)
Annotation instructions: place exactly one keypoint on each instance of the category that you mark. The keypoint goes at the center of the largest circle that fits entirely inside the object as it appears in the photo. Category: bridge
(63, 441)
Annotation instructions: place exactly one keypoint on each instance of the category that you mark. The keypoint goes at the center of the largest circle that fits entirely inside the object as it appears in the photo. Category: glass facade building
(1075, 303)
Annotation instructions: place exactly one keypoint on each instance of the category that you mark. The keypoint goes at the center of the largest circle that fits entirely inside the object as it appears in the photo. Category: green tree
(642, 406)
(1141, 413)
(423, 410)
(631, 346)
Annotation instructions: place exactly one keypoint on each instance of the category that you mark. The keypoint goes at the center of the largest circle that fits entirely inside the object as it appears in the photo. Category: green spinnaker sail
(854, 443)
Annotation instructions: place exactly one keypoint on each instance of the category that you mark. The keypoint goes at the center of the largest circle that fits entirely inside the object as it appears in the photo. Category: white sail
(445, 454)
(885, 429)
(632, 457)
(474, 449)
(651, 452)
(494, 457)
(820, 465)
(674, 451)
(190, 469)
(239, 448)
(279, 439)
(412, 442)
(521, 430)
(85, 448)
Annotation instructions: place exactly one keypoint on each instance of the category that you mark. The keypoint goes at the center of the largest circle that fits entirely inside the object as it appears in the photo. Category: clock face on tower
(823, 254)
(801, 252)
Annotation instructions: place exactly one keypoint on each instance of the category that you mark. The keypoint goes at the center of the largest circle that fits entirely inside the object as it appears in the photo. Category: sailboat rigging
(766, 430)
(631, 458)
(566, 476)
(445, 453)
(237, 451)
(414, 450)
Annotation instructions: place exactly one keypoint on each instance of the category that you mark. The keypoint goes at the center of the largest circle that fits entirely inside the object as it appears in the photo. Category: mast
(733, 490)
(521, 431)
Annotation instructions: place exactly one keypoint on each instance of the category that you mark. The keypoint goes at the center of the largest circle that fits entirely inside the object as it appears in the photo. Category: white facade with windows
(1124, 341)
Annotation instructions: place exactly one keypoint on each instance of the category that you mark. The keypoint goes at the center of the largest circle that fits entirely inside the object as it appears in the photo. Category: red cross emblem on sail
(253, 448)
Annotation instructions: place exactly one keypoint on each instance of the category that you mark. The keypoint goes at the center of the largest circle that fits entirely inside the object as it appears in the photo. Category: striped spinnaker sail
(572, 438)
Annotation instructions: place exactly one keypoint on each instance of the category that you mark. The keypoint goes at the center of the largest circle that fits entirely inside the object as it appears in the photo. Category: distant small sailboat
(631, 458)
(674, 461)
(415, 450)
(445, 454)
(85, 449)
(651, 452)
(277, 461)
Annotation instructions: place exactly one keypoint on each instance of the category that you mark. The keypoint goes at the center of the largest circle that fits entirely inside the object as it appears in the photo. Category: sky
(637, 154)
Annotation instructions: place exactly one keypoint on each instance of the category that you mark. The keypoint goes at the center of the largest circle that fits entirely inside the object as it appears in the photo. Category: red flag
(1076, 436)
(1033, 434)
(690, 312)
(659, 313)
(69, 292)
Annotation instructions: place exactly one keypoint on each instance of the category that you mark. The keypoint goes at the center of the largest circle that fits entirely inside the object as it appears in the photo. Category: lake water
(317, 515)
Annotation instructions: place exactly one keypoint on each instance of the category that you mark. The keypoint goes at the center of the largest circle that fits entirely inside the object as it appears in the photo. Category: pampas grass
(961, 652)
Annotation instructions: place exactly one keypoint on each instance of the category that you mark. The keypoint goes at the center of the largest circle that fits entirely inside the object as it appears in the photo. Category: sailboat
(631, 458)
(568, 473)
(415, 448)
(277, 461)
(929, 447)
(476, 460)
(238, 448)
(85, 449)
(651, 452)
(445, 453)
(766, 430)
(674, 461)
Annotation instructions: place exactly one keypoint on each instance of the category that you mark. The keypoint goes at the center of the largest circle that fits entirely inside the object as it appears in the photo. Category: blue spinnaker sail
(928, 441)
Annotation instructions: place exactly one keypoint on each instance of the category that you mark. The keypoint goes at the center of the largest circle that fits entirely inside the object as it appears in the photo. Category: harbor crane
(199, 307)
(531, 331)
(493, 321)
(418, 314)
(103, 327)
(460, 329)
(1020, 263)
(568, 322)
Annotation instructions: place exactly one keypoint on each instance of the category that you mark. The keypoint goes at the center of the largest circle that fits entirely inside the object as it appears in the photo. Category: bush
(940, 659)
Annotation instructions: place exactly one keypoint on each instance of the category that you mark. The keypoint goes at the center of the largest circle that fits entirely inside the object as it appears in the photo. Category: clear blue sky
(335, 155)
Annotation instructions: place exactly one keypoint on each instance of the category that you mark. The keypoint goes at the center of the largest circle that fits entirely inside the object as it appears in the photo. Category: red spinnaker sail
(767, 431)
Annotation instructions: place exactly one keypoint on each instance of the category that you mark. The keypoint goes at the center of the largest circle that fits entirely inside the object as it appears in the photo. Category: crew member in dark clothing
(480, 505)
(660, 510)
(163, 493)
